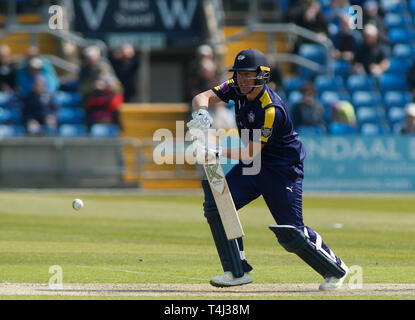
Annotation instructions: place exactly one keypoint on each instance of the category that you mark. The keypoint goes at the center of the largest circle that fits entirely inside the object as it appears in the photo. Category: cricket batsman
(279, 180)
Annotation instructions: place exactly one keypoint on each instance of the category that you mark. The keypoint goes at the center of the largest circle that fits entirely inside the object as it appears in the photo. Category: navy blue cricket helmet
(251, 60)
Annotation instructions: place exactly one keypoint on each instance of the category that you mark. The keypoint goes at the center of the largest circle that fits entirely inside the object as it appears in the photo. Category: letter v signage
(94, 18)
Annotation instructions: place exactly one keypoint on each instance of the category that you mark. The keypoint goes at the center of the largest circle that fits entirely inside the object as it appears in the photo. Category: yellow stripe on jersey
(265, 99)
(268, 124)
(264, 68)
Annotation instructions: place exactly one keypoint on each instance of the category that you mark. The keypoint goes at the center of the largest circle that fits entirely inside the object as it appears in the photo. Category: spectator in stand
(408, 127)
(101, 90)
(309, 16)
(126, 64)
(309, 111)
(39, 109)
(25, 80)
(370, 57)
(345, 41)
(93, 66)
(8, 69)
(203, 72)
(103, 103)
(343, 112)
(372, 15)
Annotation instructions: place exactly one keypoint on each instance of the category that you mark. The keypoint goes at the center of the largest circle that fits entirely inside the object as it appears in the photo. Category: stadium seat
(370, 114)
(394, 6)
(338, 128)
(374, 128)
(396, 98)
(10, 116)
(401, 35)
(328, 97)
(412, 6)
(310, 130)
(399, 65)
(341, 68)
(396, 115)
(327, 83)
(366, 98)
(8, 130)
(396, 20)
(104, 130)
(313, 52)
(360, 82)
(293, 83)
(391, 81)
(294, 97)
(67, 99)
(68, 115)
(4, 99)
(403, 50)
(72, 130)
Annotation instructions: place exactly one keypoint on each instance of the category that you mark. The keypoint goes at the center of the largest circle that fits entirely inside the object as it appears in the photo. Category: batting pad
(295, 241)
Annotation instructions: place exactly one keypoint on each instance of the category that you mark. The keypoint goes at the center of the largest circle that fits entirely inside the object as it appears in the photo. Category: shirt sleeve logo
(266, 132)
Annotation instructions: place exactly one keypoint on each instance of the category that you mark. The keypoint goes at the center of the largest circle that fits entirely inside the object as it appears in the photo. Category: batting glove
(201, 120)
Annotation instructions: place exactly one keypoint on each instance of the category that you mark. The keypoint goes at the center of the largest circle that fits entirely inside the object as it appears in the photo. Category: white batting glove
(207, 154)
(201, 120)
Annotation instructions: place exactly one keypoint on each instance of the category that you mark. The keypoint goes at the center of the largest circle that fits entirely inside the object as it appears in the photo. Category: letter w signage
(179, 22)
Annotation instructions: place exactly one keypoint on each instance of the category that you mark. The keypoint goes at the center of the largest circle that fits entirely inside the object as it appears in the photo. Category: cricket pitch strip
(201, 290)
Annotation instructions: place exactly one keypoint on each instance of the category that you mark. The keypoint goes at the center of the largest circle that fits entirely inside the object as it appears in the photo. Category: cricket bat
(224, 201)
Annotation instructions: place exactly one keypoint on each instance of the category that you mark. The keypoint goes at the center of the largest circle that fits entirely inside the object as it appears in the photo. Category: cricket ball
(77, 204)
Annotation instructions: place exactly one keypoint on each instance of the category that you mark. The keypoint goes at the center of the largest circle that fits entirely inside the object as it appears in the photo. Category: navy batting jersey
(267, 113)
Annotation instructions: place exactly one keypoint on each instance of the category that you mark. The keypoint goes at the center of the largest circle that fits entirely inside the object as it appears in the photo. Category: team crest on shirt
(251, 117)
(266, 132)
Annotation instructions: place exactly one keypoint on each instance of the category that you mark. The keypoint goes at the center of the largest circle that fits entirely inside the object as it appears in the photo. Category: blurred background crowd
(366, 84)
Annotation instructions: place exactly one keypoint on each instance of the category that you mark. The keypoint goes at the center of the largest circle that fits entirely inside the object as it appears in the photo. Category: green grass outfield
(164, 239)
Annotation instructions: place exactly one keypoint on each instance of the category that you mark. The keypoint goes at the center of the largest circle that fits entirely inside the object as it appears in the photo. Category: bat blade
(224, 201)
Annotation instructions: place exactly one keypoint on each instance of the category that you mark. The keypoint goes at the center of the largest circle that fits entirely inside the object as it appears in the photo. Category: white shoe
(332, 283)
(228, 280)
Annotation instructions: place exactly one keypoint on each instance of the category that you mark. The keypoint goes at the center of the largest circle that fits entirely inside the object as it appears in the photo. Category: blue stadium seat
(399, 65)
(104, 130)
(366, 98)
(327, 83)
(67, 99)
(313, 52)
(9, 130)
(310, 130)
(374, 129)
(396, 115)
(10, 116)
(4, 98)
(394, 6)
(391, 81)
(338, 128)
(328, 97)
(293, 83)
(396, 98)
(396, 20)
(370, 114)
(294, 97)
(401, 35)
(68, 115)
(341, 68)
(403, 50)
(72, 130)
(360, 82)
